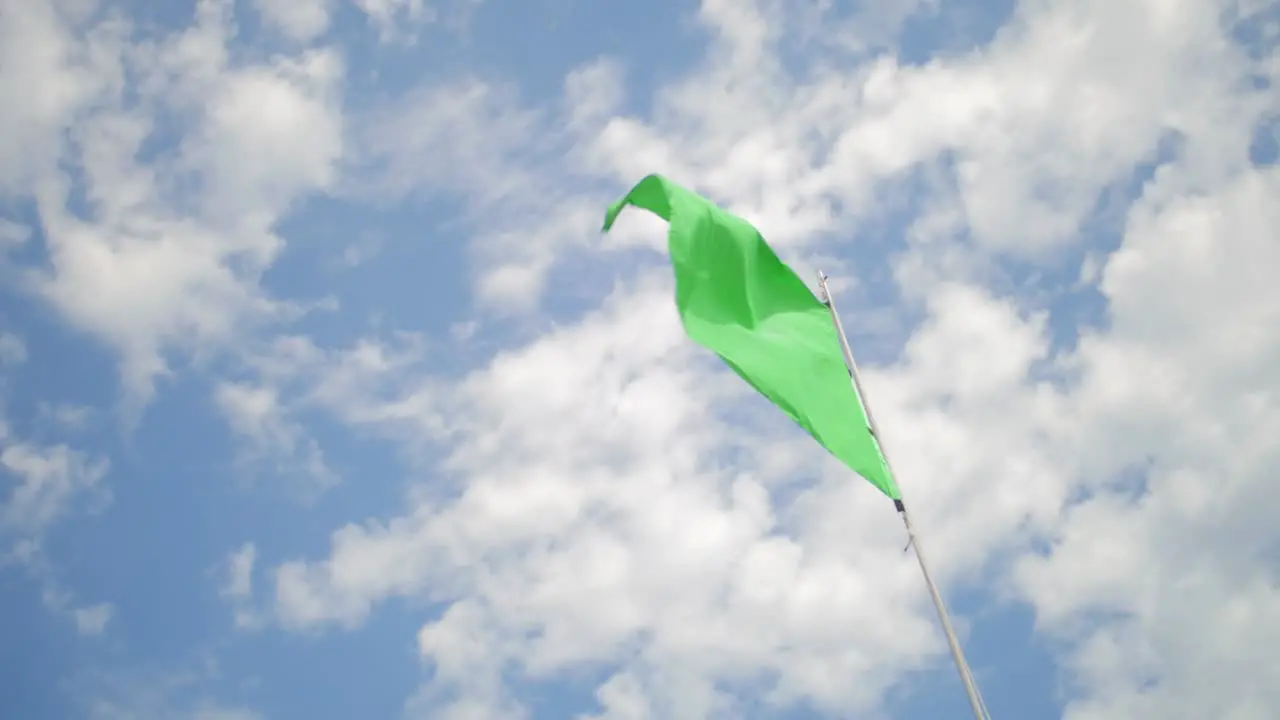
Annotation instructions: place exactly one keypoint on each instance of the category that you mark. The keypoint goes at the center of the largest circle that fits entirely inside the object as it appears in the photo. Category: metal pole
(957, 653)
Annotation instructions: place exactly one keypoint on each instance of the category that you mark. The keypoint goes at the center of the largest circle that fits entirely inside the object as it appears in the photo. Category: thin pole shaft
(957, 652)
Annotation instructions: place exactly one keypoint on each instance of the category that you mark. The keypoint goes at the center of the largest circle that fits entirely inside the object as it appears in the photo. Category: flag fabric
(737, 299)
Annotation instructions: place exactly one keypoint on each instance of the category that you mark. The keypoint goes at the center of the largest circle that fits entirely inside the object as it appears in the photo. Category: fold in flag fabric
(737, 299)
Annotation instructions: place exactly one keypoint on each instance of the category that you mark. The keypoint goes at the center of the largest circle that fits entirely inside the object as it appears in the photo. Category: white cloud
(12, 234)
(250, 142)
(361, 251)
(28, 554)
(256, 414)
(93, 619)
(44, 480)
(41, 484)
(372, 383)
(608, 500)
(66, 416)
(470, 138)
(400, 21)
(237, 586)
(168, 253)
(301, 20)
(593, 527)
(239, 581)
(623, 698)
(12, 350)
(177, 693)
(600, 512)
(1022, 138)
(1170, 597)
(254, 411)
(39, 100)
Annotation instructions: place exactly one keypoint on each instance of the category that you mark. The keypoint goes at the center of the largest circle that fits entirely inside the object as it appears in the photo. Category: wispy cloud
(12, 350)
(40, 482)
(46, 480)
(93, 619)
(301, 21)
(179, 693)
(238, 587)
(256, 414)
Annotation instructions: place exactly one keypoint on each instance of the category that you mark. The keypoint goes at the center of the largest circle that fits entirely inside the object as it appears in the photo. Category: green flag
(739, 300)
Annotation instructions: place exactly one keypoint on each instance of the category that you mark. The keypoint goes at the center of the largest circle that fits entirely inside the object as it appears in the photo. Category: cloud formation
(1054, 241)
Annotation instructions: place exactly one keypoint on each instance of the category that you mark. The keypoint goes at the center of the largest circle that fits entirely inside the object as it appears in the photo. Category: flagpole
(957, 653)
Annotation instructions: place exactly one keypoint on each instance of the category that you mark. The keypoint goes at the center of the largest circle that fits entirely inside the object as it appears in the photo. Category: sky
(323, 396)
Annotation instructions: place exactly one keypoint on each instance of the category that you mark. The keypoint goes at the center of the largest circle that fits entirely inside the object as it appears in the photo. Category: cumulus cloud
(609, 533)
(604, 496)
(1182, 386)
(608, 515)
(166, 252)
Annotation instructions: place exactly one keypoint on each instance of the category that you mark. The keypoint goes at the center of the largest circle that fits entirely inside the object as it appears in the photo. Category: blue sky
(322, 396)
